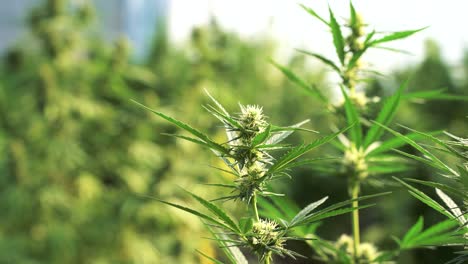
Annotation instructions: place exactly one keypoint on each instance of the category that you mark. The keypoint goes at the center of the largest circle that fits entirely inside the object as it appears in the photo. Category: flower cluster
(359, 99)
(252, 121)
(266, 237)
(251, 162)
(355, 163)
(367, 252)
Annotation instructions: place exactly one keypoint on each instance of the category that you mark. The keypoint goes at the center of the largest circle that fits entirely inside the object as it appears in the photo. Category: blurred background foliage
(80, 159)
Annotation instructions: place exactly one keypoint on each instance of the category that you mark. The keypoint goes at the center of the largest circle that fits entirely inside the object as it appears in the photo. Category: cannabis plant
(365, 155)
(455, 186)
(247, 154)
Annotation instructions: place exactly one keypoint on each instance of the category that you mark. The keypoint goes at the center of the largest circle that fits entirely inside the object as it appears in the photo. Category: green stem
(355, 218)
(254, 207)
(267, 260)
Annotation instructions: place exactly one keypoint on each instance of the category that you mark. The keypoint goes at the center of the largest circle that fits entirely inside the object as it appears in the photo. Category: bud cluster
(264, 236)
(355, 45)
(251, 161)
(367, 252)
(355, 163)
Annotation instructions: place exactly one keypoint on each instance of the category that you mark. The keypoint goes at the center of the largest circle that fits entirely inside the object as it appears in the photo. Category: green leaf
(420, 159)
(246, 224)
(397, 142)
(353, 15)
(390, 168)
(313, 13)
(279, 208)
(439, 142)
(232, 252)
(309, 89)
(261, 137)
(320, 216)
(305, 212)
(439, 234)
(385, 116)
(217, 211)
(279, 136)
(322, 58)
(193, 131)
(338, 39)
(443, 187)
(193, 140)
(221, 108)
(191, 211)
(300, 150)
(433, 160)
(356, 56)
(414, 231)
(425, 198)
(423, 94)
(309, 161)
(208, 257)
(352, 117)
(395, 36)
(336, 209)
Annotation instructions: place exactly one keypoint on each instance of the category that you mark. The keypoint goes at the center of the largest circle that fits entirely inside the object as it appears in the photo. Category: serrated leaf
(444, 187)
(191, 211)
(313, 13)
(300, 150)
(317, 217)
(338, 40)
(322, 58)
(414, 231)
(352, 117)
(232, 252)
(353, 15)
(208, 257)
(217, 211)
(425, 198)
(429, 159)
(261, 137)
(246, 224)
(439, 142)
(390, 168)
(304, 212)
(189, 129)
(385, 116)
(337, 209)
(439, 234)
(395, 36)
(308, 161)
(281, 135)
(309, 89)
(397, 142)
(193, 140)
(221, 108)
(356, 56)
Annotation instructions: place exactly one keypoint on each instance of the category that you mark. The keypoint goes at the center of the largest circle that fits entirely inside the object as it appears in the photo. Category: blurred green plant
(77, 151)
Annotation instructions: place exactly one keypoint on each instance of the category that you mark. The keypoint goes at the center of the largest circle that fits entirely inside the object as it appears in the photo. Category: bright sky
(294, 28)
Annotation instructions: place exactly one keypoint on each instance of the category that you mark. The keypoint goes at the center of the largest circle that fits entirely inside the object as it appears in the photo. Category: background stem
(355, 218)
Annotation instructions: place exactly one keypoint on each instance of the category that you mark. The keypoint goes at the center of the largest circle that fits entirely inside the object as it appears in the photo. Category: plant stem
(254, 206)
(267, 260)
(355, 218)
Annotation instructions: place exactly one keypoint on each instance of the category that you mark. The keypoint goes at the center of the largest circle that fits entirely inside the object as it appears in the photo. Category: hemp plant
(455, 187)
(366, 155)
(248, 156)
